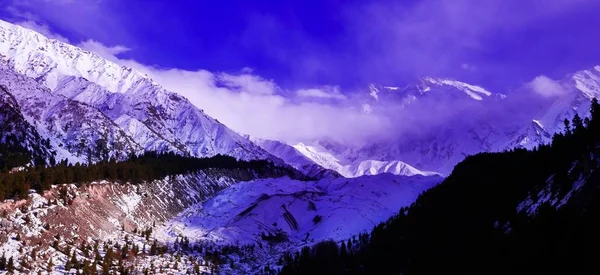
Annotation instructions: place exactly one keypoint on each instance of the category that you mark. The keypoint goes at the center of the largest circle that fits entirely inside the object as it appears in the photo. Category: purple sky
(302, 43)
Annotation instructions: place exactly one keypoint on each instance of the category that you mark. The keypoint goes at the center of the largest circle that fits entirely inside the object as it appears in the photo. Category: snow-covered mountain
(439, 89)
(135, 112)
(296, 159)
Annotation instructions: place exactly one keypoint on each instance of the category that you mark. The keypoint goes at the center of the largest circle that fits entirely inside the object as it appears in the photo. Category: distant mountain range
(448, 121)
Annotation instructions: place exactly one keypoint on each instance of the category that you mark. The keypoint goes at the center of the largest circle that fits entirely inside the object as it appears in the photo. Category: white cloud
(467, 67)
(250, 104)
(42, 29)
(248, 83)
(546, 87)
(109, 53)
(332, 92)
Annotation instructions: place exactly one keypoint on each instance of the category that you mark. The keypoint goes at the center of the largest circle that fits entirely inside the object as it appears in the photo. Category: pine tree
(578, 124)
(74, 261)
(50, 265)
(121, 267)
(3, 262)
(567, 127)
(594, 125)
(86, 267)
(84, 249)
(125, 251)
(343, 254)
(153, 249)
(95, 264)
(106, 264)
(68, 266)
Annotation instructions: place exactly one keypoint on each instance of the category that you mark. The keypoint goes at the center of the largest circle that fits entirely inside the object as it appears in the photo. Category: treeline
(469, 224)
(137, 169)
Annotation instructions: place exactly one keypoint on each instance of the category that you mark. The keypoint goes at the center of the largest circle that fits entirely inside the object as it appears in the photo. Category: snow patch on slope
(374, 167)
(305, 212)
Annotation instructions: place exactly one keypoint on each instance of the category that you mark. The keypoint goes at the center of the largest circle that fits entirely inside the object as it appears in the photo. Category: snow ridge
(305, 158)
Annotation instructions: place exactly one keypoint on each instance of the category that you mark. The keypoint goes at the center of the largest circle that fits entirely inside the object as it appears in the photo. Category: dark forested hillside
(136, 169)
(471, 223)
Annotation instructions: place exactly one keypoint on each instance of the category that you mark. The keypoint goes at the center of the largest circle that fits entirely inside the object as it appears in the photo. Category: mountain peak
(588, 82)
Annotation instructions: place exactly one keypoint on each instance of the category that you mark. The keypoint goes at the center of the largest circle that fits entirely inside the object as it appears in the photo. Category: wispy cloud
(332, 92)
(547, 87)
(109, 53)
(248, 83)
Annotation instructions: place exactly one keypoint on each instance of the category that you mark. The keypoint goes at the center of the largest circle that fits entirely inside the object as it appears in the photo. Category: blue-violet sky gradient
(301, 43)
